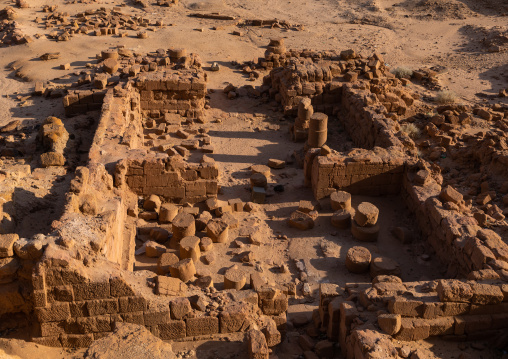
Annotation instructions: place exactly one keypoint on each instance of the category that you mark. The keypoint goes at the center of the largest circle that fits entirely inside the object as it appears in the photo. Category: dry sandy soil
(455, 36)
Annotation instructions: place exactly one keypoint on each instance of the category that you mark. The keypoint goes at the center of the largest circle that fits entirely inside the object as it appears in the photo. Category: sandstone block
(341, 219)
(453, 290)
(7, 244)
(165, 261)
(170, 286)
(358, 259)
(189, 248)
(168, 212)
(389, 323)
(234, 279)
(184, 270)
(364, 234)
(202, 326)
(340, 200)
(366, 214)
(218, 231)
(180, 307)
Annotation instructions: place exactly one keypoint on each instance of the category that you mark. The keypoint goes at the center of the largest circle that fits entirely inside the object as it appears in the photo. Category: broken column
(184, 270)
(358, 259)
(364, 225)
(301, 127)
(189, 248)
(218, 230)
(234, 279)
(318, 130)
(341, 204)
(183, 226)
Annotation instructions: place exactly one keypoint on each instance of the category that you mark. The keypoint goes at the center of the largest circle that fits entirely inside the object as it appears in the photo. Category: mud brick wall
(366, 174)
(181, 91)
(456, 237)
(81, 101)
(175, 180)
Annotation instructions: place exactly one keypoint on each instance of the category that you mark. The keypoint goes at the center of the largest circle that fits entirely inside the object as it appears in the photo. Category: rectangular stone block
(6, 244)
(53, 313)
(76, 340)
(119, 288)
(102, 306)
(413, 330)
(78, 309)
(406, 308)
(441, 326)
(174, 329)
(156, 318)
(91, 291)
(232, 319)
(132, 304)
(52, 329)
(134, 318)
(202, 326)
(53, 341)
(94, 324)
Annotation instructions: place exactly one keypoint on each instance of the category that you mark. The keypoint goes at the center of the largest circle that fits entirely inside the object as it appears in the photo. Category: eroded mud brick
(218, 231)
(340, 200)
(170, 286)
(202, 326)
(358, 259)
(366, 214)
(184, 270)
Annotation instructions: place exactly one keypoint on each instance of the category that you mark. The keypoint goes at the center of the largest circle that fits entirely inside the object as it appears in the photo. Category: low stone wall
(370, 173)
(82, 101)
(170, 178)
(179, 91)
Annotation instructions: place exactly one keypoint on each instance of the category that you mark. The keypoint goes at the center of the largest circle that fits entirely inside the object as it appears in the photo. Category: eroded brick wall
(181, 91)
(365, 173)
(171, 178)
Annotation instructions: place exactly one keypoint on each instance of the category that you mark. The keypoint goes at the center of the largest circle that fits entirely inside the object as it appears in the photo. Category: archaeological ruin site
(272, 179)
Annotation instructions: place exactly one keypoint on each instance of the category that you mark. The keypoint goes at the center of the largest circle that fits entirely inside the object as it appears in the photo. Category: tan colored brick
(174, 329)
(202, 326)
